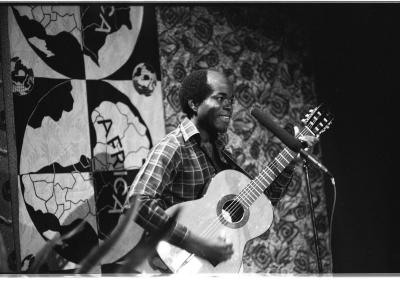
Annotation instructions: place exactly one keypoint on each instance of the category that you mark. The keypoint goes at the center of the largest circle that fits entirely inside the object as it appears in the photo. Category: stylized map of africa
(126, 134)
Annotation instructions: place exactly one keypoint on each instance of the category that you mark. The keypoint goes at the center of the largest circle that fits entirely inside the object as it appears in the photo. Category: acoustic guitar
(233, 205)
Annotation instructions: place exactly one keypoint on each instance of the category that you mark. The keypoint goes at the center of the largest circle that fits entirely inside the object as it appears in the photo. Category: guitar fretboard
(256, 187)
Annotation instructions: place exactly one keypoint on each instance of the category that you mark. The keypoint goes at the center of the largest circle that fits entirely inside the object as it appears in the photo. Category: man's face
(215, 112)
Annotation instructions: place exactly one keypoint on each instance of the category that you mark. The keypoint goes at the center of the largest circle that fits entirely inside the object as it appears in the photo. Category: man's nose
(228, 104)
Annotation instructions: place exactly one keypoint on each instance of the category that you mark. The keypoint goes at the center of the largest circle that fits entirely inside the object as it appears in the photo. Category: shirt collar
(189, 130)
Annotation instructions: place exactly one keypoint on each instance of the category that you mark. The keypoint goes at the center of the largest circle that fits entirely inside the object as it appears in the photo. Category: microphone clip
(308, 157)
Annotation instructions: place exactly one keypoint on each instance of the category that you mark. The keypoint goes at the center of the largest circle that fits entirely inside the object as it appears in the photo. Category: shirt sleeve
(157, 172)
(279, 186)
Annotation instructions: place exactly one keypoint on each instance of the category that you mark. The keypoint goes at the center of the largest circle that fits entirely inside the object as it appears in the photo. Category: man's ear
(192, 105)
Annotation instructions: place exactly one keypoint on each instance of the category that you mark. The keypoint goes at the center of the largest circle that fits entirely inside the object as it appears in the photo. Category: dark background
(355, 50)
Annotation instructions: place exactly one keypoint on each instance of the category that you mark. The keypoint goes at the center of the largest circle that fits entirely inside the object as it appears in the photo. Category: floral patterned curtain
(265, 54)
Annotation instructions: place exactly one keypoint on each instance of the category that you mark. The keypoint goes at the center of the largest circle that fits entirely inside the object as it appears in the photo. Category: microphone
(265, 119)
(312, 159)
(290, 141)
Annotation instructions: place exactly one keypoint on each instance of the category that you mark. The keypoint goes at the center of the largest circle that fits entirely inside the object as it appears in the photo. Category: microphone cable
(331, 217)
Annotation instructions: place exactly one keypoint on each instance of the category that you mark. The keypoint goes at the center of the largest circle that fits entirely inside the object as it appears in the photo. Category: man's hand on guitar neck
(215, 251)
(308, 141)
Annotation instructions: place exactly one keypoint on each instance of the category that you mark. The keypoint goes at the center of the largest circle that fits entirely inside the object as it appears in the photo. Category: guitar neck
(257, 186)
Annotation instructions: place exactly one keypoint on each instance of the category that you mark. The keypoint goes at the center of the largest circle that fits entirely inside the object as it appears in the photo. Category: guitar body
(209, 217)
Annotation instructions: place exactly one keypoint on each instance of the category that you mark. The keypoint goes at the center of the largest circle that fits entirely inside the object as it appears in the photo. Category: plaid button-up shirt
(177, 170)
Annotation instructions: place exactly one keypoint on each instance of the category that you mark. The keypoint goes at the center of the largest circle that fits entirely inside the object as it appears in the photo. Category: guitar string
(263, 180)
(272, 164)
(235, 205)
(214, 226)
(276, 163)
(257, 192)
(232, 209)
(212, 231)
(246, 191)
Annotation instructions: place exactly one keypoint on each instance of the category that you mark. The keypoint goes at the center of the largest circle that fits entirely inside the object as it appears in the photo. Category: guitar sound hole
(232, 211)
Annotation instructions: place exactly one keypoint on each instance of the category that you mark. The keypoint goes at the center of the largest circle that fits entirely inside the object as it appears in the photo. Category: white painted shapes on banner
(67, 196)
(35, 52)
(151, 107)
(74, 188)
(63, 141)
(121, 138)
(119, 39)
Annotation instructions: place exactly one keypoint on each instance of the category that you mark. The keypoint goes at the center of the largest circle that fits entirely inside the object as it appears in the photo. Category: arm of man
(156, 174)
(279, 186)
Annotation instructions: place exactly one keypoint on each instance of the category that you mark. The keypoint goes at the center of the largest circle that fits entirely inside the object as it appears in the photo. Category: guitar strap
(225, 160)
(232, 162)
(208, 152)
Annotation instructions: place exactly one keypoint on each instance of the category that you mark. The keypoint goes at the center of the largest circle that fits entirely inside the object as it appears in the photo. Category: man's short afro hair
(194, 87)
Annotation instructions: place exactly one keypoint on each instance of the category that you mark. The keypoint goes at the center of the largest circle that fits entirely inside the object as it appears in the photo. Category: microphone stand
(312, 215)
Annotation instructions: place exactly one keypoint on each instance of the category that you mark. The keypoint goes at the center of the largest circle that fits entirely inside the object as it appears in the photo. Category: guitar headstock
(318, 120)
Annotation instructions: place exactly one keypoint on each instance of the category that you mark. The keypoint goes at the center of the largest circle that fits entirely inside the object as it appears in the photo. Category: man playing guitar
(181, 165)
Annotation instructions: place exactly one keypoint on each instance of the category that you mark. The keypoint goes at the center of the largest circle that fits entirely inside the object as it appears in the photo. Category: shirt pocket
(195, 174)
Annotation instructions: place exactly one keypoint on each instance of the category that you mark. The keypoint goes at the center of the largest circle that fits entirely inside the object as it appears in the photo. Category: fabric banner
(263, 51)
(88, 107)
